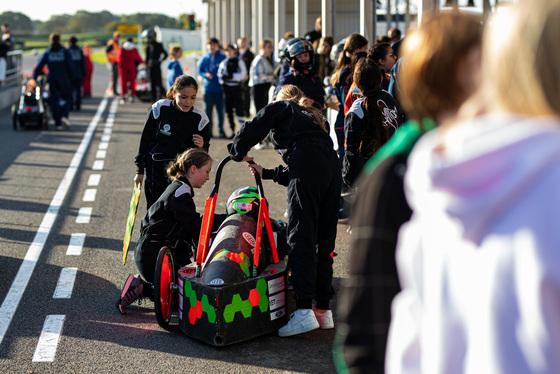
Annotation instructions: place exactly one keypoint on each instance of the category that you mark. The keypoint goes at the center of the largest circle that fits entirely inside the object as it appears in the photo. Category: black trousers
(260, 95)
(147, 249)
(115, 72)
(156, 180)
(246, 96)
(156, 83)
(77, 93)
(313, 203)
(234, 101)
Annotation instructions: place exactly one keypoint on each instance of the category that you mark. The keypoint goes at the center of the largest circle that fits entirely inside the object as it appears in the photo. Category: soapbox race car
(31, 107)
(236, 288)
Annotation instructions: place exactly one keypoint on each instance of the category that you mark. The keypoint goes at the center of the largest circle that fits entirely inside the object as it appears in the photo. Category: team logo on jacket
(202, 123)
(391, 116)
(165, 130)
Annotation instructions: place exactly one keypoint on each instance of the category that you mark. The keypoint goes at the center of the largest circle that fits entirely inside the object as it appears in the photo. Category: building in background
(229, 19)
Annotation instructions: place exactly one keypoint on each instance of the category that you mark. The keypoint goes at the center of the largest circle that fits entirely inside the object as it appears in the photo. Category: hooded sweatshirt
(129, 57)
(479, 261)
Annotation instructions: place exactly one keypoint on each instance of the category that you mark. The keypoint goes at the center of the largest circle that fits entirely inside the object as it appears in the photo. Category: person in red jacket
(89, 71)
(129, 58)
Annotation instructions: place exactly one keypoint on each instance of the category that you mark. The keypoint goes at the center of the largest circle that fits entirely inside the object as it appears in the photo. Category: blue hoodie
(210, 64)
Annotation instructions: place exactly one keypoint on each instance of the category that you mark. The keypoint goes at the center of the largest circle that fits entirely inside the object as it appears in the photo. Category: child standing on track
(172, 126)
(232, 72)
(129, 59)
(172, 221)
(313, 178)
(173, 66)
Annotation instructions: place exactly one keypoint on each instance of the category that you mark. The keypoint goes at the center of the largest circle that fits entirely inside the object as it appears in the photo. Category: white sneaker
(299, 324)
(65, 122)
(325, 319)
(260, 146)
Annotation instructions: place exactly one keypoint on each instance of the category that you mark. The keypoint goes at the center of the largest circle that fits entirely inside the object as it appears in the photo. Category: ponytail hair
(292, 93)
(181, 165)
(181, 82)
(368, 78)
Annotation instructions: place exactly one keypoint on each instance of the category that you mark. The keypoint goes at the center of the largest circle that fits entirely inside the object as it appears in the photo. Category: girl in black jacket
(313, 176)
(171, 221)
(370, 122)
(172, 126)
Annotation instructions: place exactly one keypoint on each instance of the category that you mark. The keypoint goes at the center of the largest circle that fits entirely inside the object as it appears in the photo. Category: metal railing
(14, 69)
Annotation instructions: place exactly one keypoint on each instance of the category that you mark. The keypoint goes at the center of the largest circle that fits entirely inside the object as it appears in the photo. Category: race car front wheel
(164, 287)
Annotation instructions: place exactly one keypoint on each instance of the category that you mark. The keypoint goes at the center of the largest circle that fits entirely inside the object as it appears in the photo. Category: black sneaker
(132, 291)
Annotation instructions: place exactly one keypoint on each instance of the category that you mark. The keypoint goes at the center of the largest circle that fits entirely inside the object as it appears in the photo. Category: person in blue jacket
(174, 69)
(79, 64)
(61, 73)
(213, 93)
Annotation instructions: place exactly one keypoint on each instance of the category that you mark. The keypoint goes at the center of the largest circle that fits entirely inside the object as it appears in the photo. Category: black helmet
(297, 46)
(150, 34)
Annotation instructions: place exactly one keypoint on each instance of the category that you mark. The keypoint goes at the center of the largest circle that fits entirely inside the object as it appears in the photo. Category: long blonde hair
(521, 60)
(292, 93)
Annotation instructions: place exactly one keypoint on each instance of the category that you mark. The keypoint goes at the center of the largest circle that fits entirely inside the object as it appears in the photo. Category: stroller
(32, 107)
(143, 85)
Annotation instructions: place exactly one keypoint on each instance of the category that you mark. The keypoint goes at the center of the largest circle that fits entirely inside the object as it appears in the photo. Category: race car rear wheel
(14, 116)
(164, 287)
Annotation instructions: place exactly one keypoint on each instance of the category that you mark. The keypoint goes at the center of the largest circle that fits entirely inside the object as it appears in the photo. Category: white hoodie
(479, 261)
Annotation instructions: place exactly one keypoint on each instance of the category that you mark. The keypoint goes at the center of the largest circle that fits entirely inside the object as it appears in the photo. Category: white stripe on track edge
(76, 244)
(89, 195)
(84, 214)
(13, 298)
(65, 284)
(48, 341)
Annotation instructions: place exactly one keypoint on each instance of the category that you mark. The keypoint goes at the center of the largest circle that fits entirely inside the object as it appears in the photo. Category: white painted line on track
(76, 244)
(101, 153)
(107, 131)
(48, 341)
(103, 145)
(98, 165)
(93, 180)
(89, 194)
(106, 138)
(65, 283)
(15, 293)
(84, 215)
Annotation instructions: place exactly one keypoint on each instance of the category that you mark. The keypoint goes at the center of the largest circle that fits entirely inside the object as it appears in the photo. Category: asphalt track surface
(57, 311)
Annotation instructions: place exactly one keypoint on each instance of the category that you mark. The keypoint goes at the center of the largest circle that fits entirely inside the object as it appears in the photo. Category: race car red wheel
(164, 287)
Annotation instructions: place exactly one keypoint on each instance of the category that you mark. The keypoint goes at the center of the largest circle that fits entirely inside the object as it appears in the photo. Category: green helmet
(243, 200)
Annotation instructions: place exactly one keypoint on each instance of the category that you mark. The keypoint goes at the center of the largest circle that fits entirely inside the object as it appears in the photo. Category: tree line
(83, 21)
